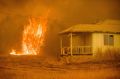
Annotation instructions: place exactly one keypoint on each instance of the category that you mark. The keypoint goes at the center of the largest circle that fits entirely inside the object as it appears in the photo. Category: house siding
(98, 42)
(117, 41)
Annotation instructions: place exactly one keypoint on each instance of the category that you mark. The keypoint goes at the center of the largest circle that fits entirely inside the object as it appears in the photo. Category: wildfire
(33, 37)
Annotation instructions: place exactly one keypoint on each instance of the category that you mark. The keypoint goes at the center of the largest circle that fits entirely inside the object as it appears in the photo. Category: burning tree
(33, 37)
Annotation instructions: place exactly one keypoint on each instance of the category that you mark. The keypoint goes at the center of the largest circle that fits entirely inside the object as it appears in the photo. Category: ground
(35, 67)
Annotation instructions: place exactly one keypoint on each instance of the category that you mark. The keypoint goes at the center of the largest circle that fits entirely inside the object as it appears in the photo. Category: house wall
(82, 39)
(98, 42)
(117, 40)
(78, 40)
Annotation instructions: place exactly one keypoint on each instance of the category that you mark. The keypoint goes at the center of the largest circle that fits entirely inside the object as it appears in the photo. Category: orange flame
(33, 37)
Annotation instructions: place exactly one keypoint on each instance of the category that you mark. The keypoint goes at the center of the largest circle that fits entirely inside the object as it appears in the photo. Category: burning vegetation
(33, 37)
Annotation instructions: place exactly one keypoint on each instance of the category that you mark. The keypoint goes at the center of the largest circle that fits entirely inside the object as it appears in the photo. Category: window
(109, 40)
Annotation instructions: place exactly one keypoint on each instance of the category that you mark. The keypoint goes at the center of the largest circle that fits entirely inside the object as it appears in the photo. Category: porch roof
(109, 26)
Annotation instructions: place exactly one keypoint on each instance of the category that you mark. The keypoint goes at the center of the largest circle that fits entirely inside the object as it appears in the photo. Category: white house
(88, 39)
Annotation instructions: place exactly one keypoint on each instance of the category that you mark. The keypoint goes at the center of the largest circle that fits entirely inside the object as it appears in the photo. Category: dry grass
(30, 67)
(108, 55)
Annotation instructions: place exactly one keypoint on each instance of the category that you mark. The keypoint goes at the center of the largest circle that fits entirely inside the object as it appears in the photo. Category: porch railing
(76, 50)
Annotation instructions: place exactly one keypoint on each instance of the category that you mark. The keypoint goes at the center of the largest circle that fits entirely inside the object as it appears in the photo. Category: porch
(78, 50)
(76, 44)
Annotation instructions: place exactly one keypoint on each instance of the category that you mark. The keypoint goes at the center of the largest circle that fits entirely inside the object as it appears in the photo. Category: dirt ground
(44, 68)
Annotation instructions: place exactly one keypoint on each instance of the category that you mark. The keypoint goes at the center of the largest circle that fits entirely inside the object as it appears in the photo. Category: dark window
(109, 40)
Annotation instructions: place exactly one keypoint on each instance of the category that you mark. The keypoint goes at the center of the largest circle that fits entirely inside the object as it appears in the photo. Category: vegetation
(108, 55)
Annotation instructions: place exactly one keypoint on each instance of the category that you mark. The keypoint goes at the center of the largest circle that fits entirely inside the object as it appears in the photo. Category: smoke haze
(62, 14)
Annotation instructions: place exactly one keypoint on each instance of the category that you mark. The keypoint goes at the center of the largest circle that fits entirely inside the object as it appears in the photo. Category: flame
(33, 37)
(13, 52)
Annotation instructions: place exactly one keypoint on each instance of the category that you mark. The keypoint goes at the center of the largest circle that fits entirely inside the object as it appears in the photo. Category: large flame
(33, 37)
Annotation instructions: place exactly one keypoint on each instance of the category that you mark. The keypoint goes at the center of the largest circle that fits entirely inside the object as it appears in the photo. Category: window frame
(108, 39)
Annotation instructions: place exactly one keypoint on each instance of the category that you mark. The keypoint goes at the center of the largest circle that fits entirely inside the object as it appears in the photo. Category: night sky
(62, 14)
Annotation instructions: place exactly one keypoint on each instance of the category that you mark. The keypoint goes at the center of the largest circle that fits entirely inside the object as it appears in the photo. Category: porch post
(71, 44)
(61, 46)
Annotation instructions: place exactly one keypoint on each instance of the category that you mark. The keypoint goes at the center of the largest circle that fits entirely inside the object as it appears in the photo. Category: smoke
(62, 14)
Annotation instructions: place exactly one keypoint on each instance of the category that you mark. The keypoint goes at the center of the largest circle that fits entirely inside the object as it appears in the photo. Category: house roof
(108, 26)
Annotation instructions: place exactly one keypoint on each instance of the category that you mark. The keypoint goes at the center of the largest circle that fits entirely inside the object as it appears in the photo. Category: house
(88, 39)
